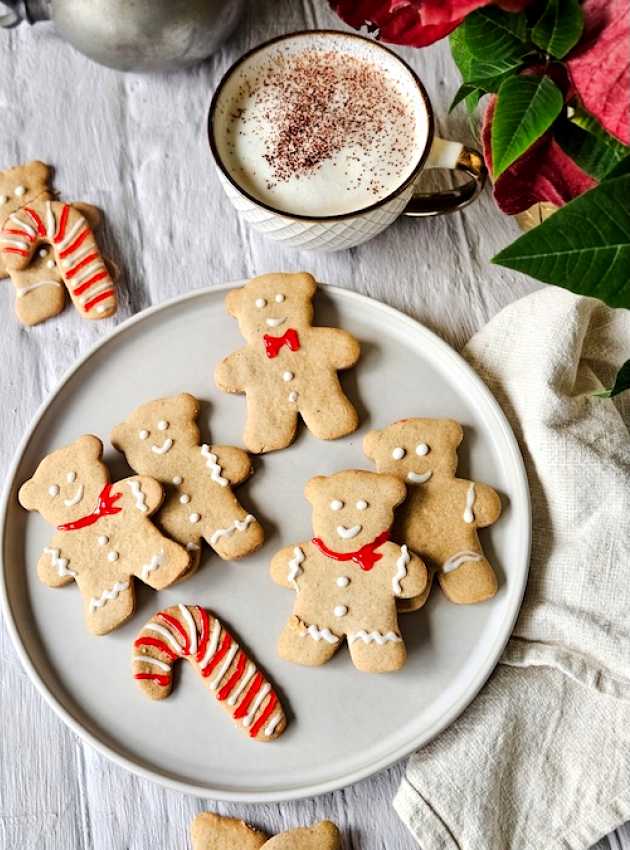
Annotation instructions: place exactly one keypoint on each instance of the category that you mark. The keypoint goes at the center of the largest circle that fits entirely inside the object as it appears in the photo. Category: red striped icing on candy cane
(79, 261)
(191, 632)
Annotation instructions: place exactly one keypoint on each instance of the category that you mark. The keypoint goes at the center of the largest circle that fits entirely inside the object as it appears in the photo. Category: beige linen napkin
(541, 759)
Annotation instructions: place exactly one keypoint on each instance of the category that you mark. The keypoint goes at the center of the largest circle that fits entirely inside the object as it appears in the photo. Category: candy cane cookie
(191, 632)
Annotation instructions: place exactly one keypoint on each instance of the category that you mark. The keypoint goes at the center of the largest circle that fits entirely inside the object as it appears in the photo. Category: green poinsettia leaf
(472, 101)
(584, 139)
(493, 32)
(485, 67)
(559, 27)
(583, 247)
(464, 91)
(622, 383)
(620, 169)
(526, 108)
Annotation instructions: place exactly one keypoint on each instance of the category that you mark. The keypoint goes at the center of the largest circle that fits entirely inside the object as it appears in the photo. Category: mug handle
(455, 157)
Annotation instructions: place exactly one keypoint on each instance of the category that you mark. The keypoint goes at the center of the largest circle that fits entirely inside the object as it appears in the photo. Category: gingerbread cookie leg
(377, 651)
(467, 577)
(306, 644)
(328, 413)
(108, 601)
(269, 427)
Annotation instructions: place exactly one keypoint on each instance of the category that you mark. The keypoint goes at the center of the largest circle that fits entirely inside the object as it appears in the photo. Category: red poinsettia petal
(411, 22)
(600, 65)
(544, 173)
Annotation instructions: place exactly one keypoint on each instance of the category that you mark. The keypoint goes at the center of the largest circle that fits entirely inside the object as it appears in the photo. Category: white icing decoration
(194, 517)
(177, 480)
(237, 525)
(270, 728)
(398, 453)
(192, 629)
(293, 396)
(101, 308)
(336, 505)
(279, 298)
(212, 643)
(162, 425)
(165, 447)
(340, 610)
(155, 562)
(374, 637)
(349, 533)
(287, 376)
(260, 303)
(138, 496)
(193, 547)
(361, 505)
(274, 323)
(143, 434)
(14, 243)
(295, 568)
(71, 477)
(87, 272)
(3, 200)
(19, 191)
(469, 516)
(76, 258)
(59, 563)
(102, 540)
(146, 659)
(455, 561)
(166, 634)
(184, 498)
(343, 581)
(212, 462)
(43, 252)
(51, 224)
(69, 503)
(262, 693)
(419, 477)
(25, 227)
(320, 634)
(69, 237)
(24, 290)
(422, 449)
(50, 264)
(249, 672)
(224, 667)
(401, 570)
(112, 556)
(53, 490)
(108, 595)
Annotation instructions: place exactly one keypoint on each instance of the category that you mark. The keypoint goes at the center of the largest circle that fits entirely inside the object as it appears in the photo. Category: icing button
(287, 376)
(194, 517)
(293, 396)
(340, 611)
(112, 556)
(50, 264)
(19, 191)
(177, 479)
(3, 199)
(184, 499)
(43, 252)
(102, 540)
(343, 581)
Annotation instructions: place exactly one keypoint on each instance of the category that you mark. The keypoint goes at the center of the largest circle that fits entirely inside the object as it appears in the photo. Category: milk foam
(354, 142)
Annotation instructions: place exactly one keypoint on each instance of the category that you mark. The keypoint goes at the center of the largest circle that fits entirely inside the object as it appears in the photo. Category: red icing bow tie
(273, 344)
(106, 506)
(365, 557)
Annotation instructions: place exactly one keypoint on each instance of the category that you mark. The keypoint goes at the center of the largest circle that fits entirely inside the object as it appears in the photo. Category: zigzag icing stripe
(155, 562)
(456, 561)
(320, 634)
(295, 569)
(401, 570)
(59, 563)
(138, 496)
(374, 637)
(212, 462)
(108, 595)
(237, 525)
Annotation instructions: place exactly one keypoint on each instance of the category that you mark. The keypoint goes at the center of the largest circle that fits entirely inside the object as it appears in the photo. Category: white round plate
(344, 725)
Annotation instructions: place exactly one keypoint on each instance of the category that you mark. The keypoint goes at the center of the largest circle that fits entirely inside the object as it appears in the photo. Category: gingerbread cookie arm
(140, 493)
(191, 632)
(229, 464)
(339, 347)
(484, 503)
(287, 565)
(214, 832)
(232, 373)
(322, 836)
(409, 573)
(108, 600)
(56, 566)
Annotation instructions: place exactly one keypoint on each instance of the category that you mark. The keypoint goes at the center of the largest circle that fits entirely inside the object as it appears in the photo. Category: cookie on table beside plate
(104, 536)
(349, 577)
(441, 514)
(288, 367)
(214, 832)
(161, 439)
(191, 632)
(48, 247)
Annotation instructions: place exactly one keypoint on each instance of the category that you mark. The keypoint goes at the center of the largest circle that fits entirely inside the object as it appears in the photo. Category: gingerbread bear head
(273, 303)
(157, 433)
(416, 450)
(352, 508)
(22, 185)
(67, 483)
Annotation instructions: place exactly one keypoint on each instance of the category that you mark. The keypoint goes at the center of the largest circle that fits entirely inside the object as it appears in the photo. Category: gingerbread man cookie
(190, 632)
(47, 246)
(104, 535)
(214, 832)
(442, 513)
(161, 439)
(288, 367)
(349, 577)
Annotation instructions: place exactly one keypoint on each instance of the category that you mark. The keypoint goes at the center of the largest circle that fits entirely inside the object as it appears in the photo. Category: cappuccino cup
(319, 139)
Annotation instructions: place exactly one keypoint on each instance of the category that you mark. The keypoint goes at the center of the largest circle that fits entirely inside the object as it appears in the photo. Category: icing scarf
(273, 344)
(106, 506)
(365, 557)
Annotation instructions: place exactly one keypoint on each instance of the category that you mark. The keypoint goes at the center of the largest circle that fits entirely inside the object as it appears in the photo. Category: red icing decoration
(63, 221)
(15, 251)
(39, 224)
(273, 701)
(106, 506)
(175, 624)
(205, 631)
(84, 262)
(158, 644)
(88, 283)
(15, 232)
(77, 242)
(365, 557)
(273, 344)
(164, 681)
(226, 690)
(241, 711)
(225, 645)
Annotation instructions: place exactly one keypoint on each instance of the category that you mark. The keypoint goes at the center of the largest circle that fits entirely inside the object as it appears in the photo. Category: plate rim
(521, 488)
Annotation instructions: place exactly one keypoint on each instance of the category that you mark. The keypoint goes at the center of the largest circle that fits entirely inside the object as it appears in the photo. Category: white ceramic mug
(335, 232)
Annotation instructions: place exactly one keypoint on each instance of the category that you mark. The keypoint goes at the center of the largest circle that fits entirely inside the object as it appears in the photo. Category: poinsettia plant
(555, 79)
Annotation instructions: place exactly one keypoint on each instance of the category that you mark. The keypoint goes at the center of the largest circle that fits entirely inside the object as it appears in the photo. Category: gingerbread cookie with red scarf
(288, 367)
(104, 535)
(216, 832)
(350, 575)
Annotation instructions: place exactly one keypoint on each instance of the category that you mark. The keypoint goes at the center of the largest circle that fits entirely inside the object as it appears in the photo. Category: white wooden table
(136, 147)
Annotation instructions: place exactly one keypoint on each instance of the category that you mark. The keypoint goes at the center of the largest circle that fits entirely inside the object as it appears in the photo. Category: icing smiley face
(267, 306)
(416, 450)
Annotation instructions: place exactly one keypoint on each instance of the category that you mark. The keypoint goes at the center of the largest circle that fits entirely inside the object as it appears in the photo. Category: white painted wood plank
(136, 147)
